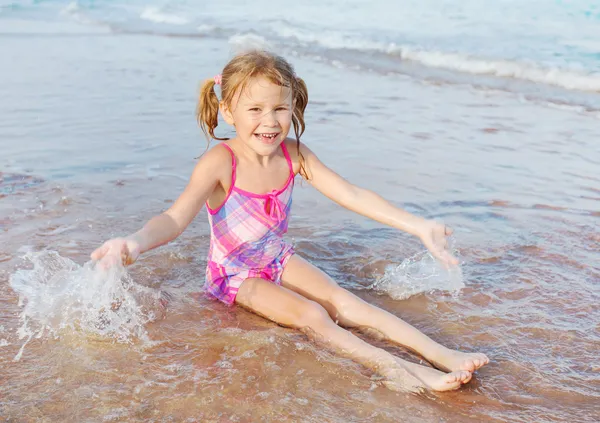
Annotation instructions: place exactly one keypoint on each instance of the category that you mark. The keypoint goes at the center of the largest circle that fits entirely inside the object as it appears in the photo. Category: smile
(267, 138)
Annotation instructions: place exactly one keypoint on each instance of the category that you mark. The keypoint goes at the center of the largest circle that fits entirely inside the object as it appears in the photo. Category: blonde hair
(236, 76)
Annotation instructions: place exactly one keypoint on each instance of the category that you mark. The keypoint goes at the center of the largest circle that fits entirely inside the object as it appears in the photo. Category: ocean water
(485, 116)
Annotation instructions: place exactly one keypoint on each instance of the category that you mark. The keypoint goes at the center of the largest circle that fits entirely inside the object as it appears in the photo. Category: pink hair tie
(218, 79)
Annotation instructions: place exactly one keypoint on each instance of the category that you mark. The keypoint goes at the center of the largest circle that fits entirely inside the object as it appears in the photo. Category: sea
(482, 115)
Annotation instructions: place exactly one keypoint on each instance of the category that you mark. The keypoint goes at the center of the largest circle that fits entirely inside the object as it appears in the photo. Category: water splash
(418, 274)
(59, 295)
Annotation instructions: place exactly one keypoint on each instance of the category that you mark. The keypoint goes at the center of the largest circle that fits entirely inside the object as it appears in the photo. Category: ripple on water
(11, 183)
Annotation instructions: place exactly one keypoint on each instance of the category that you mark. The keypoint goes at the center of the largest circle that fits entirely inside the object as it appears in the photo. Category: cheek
(244, 120)
(287, 118)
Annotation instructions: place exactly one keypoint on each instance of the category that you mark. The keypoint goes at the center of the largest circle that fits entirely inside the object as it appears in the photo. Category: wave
(78, 13)
(207, 29)
(353, 47)
(242, 42)
(73, 11)
(564, 78)
(155, 14)
(337, 41)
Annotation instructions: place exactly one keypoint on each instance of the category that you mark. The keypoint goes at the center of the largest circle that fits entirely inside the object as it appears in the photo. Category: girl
(246, 184)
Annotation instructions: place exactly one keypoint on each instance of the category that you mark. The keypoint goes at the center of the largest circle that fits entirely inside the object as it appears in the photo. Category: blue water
(556, 43)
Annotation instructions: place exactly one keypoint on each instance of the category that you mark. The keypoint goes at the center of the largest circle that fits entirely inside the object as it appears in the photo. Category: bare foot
(410, 377)
(398, 378)
(439, 381)
(451, 360)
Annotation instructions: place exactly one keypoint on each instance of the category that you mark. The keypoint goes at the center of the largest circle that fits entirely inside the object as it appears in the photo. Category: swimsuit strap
(233, 163)
(287, 157)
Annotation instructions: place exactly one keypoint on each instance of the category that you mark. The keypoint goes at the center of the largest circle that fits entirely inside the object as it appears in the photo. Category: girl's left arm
(369, 204)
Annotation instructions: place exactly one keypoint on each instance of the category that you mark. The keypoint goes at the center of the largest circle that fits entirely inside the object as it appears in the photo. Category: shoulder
(298, 152)
(216, 161)
(218, 154)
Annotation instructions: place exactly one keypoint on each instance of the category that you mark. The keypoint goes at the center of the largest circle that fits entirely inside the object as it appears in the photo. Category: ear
(226, 113)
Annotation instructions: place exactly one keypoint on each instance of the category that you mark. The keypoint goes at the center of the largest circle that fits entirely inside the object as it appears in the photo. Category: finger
(445, 258)
(439, 240)
(99, 252)
(451, 259)
(127, 259)
(437, 253)
(108, 261)
(448, 230)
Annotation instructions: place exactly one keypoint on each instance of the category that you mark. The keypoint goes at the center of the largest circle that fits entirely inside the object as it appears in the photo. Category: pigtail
(207, 110)
(300, 103)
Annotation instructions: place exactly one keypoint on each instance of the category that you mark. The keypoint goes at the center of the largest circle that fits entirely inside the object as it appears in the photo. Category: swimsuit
(246, 236)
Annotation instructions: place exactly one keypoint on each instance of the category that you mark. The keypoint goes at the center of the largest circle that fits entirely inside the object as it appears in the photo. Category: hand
(434, 236)
(125, 250)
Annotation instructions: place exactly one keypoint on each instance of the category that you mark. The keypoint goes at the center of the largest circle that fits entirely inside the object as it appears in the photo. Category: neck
(249, 155)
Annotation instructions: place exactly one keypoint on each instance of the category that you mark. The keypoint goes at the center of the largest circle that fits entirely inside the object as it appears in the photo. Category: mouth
(268, 137)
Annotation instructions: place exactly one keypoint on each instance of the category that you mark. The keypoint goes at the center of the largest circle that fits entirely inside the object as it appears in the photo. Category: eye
(254, 109)
(281, 108)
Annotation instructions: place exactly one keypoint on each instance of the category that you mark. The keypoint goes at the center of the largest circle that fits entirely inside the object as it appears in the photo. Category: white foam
(572, 79)
(564, 78)
(249, 41)
(206, 29)
(154, 14)
(74, 12)
(326, 38)
(71, 8)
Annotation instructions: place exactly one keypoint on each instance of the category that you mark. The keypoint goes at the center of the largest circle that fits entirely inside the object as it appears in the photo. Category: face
(261, 114)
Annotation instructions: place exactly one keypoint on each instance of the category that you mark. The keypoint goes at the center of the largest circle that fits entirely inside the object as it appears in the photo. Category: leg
(351, 311)
(291, 309)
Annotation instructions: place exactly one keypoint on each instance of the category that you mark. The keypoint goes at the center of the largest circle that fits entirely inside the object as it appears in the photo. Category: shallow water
(98, 135)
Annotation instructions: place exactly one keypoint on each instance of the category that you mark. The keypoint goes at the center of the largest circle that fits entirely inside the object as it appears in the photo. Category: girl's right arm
(165, 227)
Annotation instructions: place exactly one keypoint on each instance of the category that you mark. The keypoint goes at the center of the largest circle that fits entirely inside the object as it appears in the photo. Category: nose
(269, 118)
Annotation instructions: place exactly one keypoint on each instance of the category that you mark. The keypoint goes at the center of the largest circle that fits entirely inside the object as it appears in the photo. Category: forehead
(262, 90)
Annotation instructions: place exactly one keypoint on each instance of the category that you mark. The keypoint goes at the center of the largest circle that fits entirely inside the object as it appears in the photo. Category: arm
(371, 205)
(167, 226)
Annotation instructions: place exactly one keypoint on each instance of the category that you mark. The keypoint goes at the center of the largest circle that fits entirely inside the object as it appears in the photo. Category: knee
(347, 309)
(311, 315)
(344, 302)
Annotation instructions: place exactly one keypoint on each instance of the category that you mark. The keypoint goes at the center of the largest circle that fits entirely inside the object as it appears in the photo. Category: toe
(469, 365)
(452, 377)
(458, 377)
(482, 360)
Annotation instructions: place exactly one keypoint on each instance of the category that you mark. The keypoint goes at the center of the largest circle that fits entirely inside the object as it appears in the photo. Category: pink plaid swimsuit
(246, 236)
